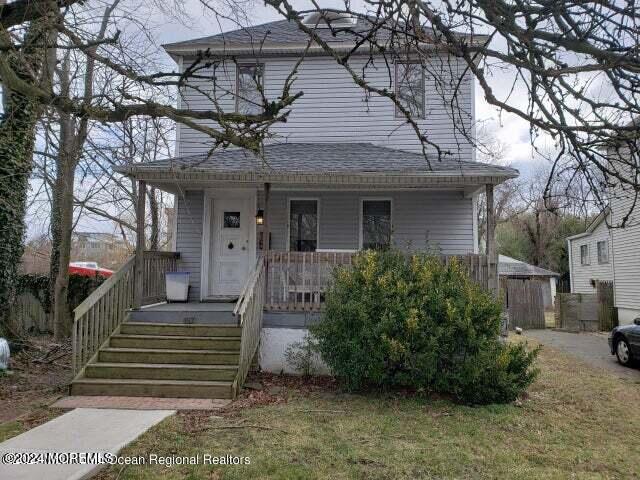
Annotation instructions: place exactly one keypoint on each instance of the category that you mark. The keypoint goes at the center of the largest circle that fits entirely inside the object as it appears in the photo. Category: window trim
(606, 242)
(361, 218)
(237, 85)
(294, 199)
(588, 262)
(396, 113)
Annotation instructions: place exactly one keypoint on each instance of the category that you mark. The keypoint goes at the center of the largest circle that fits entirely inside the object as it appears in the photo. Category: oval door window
(230, 246)
(231, 220)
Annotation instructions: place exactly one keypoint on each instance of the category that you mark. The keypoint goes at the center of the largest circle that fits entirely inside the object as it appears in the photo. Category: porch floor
(191, 307)
(189, 312)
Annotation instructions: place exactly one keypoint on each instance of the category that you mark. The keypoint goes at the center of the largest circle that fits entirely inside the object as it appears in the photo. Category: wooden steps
(164, 360)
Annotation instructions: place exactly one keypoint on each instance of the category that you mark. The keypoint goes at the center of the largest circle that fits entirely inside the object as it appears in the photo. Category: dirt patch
(39, 373)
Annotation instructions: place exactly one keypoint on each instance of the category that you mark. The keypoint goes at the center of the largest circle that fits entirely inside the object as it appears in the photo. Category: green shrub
(390, 322)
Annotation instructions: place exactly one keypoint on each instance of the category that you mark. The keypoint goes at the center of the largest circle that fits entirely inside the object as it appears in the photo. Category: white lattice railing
(297, 281)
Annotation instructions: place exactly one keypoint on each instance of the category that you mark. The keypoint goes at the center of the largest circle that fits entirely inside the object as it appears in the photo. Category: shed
(511, 268)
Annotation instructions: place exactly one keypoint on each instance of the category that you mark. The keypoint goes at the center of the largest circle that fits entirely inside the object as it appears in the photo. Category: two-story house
(609, 249)
(345, 172)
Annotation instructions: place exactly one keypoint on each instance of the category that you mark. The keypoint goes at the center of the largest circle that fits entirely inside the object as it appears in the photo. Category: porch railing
(104, 310)
(297, 281)
(248, 311)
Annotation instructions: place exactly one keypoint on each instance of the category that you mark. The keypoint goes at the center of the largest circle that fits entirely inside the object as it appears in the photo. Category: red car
(89, 269)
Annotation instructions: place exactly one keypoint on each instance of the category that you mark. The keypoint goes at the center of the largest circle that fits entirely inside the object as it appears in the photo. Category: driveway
(592, 348)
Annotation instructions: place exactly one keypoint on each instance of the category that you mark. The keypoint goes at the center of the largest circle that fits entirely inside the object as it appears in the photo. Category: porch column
(266, 244)
(492, 259)
(140, 244)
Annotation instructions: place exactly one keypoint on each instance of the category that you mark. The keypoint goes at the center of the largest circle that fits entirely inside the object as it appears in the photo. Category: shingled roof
(285, 34)
(510, 267)
(322, 159)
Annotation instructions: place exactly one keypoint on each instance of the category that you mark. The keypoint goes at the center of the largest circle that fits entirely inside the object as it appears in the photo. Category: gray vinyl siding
(442, 221)
(439, 220)
(190, 207)
(581, 275)
(334, 109)
(626, 250)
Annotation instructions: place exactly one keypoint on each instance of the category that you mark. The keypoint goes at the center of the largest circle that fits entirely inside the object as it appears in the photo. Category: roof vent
(324, 19)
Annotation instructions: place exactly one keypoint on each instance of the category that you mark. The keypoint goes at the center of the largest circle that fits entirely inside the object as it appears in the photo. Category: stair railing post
(140, 244)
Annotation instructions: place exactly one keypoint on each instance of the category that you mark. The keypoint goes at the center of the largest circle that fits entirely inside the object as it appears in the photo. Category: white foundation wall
(273, 345)
(627, 315)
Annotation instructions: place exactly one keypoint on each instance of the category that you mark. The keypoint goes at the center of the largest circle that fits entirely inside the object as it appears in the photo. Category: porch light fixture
(260, 217)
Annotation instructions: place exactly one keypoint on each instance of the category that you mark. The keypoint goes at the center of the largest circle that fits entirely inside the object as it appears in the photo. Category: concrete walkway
(591, 348)
(81, 430)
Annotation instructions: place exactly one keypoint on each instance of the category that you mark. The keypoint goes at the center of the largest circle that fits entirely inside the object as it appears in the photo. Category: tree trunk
(62, 240)
(17, 134)
(17, 138)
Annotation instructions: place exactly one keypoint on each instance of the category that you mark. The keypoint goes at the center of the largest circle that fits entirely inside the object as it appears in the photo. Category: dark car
(624, 342)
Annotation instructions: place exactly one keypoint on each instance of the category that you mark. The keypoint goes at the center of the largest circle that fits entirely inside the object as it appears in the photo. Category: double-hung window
(410, 89)
(249, 89)
(303, 225)
(603, 251)
(376, 224)
(584, 254)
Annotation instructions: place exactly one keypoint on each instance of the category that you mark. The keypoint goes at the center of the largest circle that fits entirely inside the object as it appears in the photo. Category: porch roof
(315, 163)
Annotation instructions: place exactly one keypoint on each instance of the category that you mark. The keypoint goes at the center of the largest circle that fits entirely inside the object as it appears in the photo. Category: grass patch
(573, 424)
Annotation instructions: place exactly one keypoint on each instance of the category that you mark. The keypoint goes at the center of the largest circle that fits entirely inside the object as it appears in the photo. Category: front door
(231, 252)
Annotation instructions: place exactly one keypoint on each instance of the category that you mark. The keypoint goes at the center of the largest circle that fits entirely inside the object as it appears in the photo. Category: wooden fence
(607, 312)
(28, 316)
(583, 312)
(297, 281)
(524, 302)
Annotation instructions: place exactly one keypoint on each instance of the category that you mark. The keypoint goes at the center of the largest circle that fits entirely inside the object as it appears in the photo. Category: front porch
(265, 234)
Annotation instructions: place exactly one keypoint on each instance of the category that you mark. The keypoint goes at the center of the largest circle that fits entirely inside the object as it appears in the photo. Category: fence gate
(607, 313)
(524, 302)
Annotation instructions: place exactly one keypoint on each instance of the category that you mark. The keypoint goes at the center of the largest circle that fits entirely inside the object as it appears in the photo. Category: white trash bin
(177, 286)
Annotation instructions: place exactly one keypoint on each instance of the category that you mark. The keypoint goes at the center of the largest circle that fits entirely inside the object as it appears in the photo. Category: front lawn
(577, 422)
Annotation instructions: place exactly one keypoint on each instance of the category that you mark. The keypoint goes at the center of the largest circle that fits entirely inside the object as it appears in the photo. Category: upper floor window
(584, 254)
(603, 251)
(410, 88)
(303, 225)
(249, 84)
(376, 224)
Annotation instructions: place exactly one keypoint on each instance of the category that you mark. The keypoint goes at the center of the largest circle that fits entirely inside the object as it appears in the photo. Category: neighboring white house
(591, 256)
(607, 252)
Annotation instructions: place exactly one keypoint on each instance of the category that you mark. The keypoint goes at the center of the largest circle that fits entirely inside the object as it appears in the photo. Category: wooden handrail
(99, 292)
(250, 309)
(248, 285)
(102, 312)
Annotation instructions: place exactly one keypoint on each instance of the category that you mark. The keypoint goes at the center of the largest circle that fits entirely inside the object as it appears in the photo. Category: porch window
(249, 83)
(303, 225)
(584, 254)
(376, 224)
(603, 251)
(410, 88)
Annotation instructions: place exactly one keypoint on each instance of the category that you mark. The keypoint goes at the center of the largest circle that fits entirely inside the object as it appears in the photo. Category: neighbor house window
(303, 225)
(584, 254)
(249, 83)
(376, 224)
(410, 88)
(603, 251)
